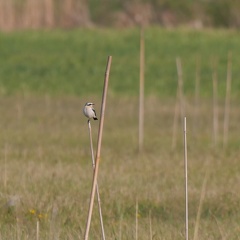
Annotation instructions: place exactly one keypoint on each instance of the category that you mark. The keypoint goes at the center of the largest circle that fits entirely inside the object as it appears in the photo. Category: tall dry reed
(37, 14)
(99, 145)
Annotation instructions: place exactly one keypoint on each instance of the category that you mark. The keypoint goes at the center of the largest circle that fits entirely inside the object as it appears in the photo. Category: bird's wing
(94, 112)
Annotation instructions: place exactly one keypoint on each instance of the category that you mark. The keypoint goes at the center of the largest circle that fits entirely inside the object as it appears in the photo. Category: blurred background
(34, 14)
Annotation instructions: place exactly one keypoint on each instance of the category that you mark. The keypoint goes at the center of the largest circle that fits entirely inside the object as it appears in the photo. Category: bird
(89, 111)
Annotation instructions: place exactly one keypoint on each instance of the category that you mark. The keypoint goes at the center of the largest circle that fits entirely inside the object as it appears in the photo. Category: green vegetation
(46, 171)
(74, 62)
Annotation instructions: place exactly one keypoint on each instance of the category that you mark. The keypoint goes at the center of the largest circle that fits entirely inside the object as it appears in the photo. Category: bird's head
(89, 104)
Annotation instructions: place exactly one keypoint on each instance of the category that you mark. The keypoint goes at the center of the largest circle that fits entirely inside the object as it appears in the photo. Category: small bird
(89, 111)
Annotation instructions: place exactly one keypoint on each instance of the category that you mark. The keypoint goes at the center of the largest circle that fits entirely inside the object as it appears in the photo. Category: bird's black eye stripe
(89, 104)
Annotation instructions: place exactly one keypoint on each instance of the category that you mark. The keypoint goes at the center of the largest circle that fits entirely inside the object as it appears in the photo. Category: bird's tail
(95, 118)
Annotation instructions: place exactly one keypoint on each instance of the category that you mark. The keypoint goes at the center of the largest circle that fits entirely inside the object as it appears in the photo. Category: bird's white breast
(88, 112)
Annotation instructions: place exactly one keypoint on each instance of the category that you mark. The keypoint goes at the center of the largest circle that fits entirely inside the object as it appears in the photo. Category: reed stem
(97, 189)
(215, 103)
(136, 221)
(97, 159)
(141, 94)
(227, 100)
(186, 177)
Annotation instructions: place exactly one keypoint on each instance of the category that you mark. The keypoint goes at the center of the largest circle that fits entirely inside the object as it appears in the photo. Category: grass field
(46, 170)
(72, 62)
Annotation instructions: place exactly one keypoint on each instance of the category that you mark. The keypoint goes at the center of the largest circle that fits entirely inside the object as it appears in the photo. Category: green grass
(46, 78)
(73, 62)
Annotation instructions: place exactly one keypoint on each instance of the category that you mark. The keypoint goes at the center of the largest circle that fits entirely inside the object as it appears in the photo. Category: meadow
(46, 171)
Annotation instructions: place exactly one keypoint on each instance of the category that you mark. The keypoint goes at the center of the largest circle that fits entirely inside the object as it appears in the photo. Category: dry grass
(38, 14)
(48, 171)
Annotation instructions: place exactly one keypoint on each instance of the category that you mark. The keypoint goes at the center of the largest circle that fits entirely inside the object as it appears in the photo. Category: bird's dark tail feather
(95, 118)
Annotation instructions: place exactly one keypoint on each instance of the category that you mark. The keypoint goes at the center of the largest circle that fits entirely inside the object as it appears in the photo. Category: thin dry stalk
(37, 231)
(203, 191)
(215, 104)
(5, 166)
(97, 189)
(179, 101)
(141, 93)
(175, 118)
(186, 177)
(197, 92)
(97, 159)
(180, 87)
(136, 221)
(150, 226)
(227, 100)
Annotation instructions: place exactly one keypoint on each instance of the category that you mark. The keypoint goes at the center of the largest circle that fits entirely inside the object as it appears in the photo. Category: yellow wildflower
(32, 211)
(42, 215)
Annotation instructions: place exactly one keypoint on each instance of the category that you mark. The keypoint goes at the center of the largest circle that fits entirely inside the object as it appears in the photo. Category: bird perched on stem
(89, 111)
